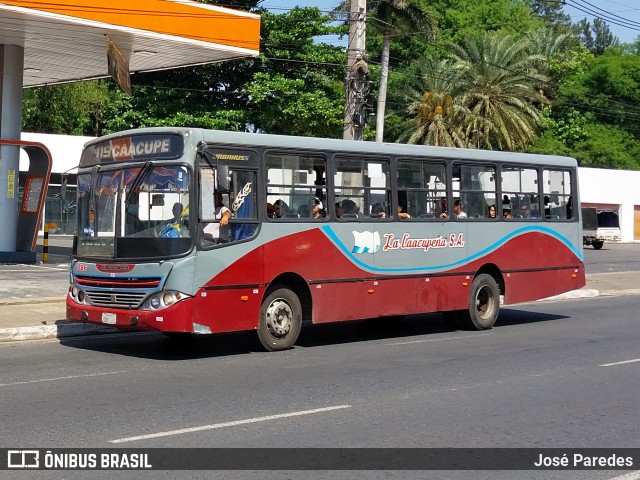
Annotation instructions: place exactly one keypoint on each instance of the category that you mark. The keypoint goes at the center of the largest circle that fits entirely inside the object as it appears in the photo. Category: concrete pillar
(11, 76)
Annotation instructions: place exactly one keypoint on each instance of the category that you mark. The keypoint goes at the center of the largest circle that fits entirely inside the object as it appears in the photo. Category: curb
(581, 293)
(44, 332)
(34, 300)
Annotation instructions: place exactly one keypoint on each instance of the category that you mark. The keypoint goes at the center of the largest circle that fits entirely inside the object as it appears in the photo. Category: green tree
(595, 116)
(73, 108)
(500, 79)
(597, 37)
(608, 147)
(457, 20)
(551, 13)
(298, 84)
(437, 116)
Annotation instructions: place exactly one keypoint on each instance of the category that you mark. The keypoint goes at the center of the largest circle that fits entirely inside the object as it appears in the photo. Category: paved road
(549, 375)
(613, 257)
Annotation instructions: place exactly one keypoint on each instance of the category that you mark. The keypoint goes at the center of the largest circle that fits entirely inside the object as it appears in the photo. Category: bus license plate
(109, 318)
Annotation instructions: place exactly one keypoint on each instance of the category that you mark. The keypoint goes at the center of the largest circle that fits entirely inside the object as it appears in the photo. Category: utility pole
(357, 78)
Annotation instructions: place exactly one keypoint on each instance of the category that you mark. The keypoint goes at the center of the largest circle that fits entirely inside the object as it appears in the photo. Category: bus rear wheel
(280, 319)
(484, 303)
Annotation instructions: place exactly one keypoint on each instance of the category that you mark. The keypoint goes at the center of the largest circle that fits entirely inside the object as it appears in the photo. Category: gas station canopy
(66, 41)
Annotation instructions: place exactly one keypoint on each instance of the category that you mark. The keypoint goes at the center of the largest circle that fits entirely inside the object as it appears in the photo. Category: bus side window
(294, 181)
(422, 188)
(557, 194)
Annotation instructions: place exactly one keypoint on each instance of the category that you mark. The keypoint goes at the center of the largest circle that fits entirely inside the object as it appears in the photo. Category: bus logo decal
(114, 268)
(408, 243)
(365, 242)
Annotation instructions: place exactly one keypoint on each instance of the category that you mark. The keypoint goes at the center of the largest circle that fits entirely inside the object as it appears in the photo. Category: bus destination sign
(135, 147)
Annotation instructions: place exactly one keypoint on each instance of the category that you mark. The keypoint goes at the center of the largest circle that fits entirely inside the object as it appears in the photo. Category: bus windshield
(142, 211)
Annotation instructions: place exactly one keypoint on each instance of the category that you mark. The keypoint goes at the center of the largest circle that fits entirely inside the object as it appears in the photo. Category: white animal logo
(365, 242)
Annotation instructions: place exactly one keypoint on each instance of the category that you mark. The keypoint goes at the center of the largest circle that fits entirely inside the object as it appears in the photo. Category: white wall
(614, 187)
(65, 150)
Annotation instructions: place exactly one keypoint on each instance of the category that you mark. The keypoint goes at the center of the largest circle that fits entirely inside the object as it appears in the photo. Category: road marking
(438, 339)
(628, 476)
(70, 377)
(620, 363)
(229, 424)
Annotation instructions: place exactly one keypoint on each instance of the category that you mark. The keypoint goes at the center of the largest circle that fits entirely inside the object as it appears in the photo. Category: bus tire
(484, 303)
(280, 320)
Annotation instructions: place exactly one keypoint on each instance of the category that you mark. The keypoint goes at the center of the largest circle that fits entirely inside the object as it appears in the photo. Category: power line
(603, 15)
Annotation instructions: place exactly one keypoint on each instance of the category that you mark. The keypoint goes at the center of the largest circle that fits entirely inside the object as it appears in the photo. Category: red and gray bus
(320, 230)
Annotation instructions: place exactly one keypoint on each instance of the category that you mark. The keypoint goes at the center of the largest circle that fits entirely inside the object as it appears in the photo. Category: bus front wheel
(484, 303)
(280, 320)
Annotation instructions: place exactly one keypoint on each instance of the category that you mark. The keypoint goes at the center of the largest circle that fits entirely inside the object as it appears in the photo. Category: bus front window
(138, 212)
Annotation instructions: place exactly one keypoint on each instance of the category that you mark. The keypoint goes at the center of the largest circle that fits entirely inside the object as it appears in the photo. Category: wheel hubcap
(279, 318)
(485, 303)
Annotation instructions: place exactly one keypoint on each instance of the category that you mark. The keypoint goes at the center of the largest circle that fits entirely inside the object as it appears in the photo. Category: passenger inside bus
(443, 208)
(402, 215)
(506, 207)
(304, 211)
(280, 208)
(377, 211)
(318, 209)
(348, 209)
(218, 231)
(492, 211)
(457, 210)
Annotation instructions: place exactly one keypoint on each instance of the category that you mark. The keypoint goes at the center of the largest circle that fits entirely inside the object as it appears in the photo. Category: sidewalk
(37, 319)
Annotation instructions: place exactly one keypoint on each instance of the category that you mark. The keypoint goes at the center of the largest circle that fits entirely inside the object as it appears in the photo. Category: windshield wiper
(137, 180)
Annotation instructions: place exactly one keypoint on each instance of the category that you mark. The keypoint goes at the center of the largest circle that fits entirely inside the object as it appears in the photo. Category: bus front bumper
(176, 318)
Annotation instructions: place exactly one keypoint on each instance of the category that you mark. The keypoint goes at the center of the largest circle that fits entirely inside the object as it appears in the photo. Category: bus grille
(129, 300)
(117, 292)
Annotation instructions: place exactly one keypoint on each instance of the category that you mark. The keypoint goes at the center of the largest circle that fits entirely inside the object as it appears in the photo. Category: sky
(622, 16)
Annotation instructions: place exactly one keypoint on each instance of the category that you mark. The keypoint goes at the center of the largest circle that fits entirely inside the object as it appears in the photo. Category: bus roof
(349, 146)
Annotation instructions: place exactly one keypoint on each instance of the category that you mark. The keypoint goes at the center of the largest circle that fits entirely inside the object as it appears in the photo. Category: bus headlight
(161, 300)
(79, 295)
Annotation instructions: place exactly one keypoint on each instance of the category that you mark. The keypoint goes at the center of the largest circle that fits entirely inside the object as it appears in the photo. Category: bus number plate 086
(109, 318)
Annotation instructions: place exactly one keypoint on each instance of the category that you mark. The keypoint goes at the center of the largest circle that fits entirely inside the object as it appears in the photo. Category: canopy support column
(11, 77)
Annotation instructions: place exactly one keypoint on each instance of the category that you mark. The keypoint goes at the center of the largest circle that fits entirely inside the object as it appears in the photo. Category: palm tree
(438, 117)
(552, 46)
(501, 83)
(394, 17)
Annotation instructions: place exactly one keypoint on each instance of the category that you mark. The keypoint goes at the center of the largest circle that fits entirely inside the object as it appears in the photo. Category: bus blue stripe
(533, 228)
